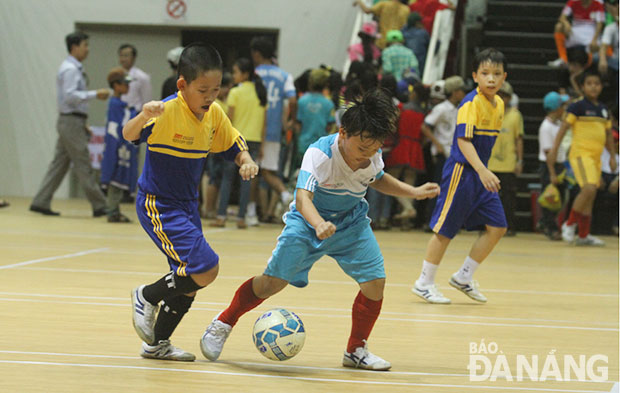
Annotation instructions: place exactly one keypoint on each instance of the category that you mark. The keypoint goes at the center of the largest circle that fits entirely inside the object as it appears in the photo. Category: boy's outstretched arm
(304, 205)
(389, 185)
(133, 128)
(488, 178)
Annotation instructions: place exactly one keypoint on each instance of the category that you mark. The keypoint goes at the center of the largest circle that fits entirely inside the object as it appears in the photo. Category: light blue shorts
(355, 248)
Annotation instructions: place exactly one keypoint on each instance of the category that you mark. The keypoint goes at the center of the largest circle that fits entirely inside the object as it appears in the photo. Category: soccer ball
(279, 334)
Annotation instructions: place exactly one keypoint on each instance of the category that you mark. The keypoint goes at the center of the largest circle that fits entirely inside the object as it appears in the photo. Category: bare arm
(389, 185)
(594, 44)
(304, 205)
(363, 6)
(553, 153)
(231, 112)
(488, 178)
(133, 128)
(519, 146)
(247, 167)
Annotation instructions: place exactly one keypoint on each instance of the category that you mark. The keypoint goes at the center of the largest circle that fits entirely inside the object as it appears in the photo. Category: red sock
(365, 314)
(584, 225)
(243, 301)
(572, 217)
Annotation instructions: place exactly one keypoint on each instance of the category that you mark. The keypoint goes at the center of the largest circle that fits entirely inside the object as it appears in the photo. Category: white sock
(427, 276)
(251, 209)
(285, 196)
(466, 272)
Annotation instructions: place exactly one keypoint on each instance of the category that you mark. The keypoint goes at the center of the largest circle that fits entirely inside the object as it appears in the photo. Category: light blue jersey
(337, 188)
(279, 85)
(339, 198)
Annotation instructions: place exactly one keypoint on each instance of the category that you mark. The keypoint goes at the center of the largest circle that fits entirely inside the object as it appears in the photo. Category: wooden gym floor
(65, 323)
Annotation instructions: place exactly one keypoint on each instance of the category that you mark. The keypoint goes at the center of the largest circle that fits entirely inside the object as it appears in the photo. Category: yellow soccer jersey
(590, 123)
(480, 122)
(178, 144)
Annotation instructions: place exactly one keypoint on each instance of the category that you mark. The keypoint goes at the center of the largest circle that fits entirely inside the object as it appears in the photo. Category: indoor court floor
(65, 321)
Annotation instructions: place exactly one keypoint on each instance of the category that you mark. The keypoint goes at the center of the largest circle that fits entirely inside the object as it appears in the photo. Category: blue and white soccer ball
(279, 334)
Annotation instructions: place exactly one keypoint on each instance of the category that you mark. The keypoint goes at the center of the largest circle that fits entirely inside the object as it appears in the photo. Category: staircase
(523, 31)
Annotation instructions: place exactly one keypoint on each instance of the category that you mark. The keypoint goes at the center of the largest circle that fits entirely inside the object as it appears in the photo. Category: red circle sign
(176, 8)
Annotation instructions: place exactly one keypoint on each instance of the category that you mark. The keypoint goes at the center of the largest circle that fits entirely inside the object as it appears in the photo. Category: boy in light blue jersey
(180, 133)
(328, 217)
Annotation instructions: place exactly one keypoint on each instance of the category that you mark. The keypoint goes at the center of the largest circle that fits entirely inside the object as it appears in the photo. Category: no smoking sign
(176, 9)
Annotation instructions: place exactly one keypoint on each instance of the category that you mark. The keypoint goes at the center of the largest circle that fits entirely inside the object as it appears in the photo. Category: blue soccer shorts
(464, 202)
(354, 248)
(176, 229)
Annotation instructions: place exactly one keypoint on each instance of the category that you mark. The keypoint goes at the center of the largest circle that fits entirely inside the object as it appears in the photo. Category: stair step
(502, 39)
(526, 8)
(520, 24)
(530, 55)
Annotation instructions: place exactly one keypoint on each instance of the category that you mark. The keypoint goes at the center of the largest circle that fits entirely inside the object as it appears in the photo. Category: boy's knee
(206, 278)
(266, 286)
(373, 290)
(496, 232)
(589, 189)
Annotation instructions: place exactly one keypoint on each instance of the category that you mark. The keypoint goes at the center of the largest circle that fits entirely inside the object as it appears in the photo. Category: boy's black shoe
(100, 212)
(44, 211)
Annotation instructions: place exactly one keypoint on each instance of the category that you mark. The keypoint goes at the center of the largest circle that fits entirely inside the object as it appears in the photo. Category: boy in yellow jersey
(469, 190)
(591, 126)
(180, 133)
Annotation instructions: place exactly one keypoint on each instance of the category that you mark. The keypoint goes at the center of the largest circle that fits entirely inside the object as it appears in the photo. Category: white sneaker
(143, 314)
(470, 289)
(568, 232)
(557, 63)
(213, 340)
(430, 293)
(589, 241)
(251, 221)
(166, 351)
(363, 358)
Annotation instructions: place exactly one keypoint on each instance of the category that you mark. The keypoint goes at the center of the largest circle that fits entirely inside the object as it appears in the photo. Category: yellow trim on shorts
(166, 244)
(454, 182)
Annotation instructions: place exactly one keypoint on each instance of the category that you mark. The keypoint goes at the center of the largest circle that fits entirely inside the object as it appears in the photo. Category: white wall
(32, 47)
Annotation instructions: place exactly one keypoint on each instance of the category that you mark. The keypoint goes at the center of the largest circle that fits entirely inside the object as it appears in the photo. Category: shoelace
(164, 348)
(435, 291)
(218, 331)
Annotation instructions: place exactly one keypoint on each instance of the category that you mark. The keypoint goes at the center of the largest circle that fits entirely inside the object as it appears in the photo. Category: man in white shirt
(72, 146)
(554, 104)
(140, 85)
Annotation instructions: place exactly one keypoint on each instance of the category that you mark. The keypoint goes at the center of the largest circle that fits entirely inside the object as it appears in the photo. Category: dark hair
(490, 55)
(301, 82)
(75, 38)
(263, 45)
(196, 58)
(577, 54)
(374, 117)
(589, 72)
(134, 51)
(388, 84)
(245, 65)
(227, 78)
(369, 81)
